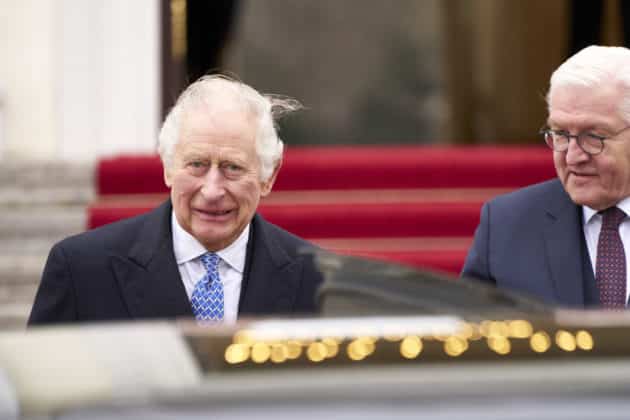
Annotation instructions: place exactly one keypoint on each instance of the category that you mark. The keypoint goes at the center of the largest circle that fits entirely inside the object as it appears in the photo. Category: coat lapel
(272, 278)
(563, 247)
(148, 276)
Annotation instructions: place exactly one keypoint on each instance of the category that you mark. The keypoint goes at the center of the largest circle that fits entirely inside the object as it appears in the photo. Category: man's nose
(575, 154)
(213, 184)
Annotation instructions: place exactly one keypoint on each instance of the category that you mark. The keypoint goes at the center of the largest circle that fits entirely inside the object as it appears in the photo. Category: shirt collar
(186, 247)
(589, 213)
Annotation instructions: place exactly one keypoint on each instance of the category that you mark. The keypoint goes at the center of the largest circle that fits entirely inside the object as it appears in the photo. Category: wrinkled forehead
(584, 105)
(223, 121)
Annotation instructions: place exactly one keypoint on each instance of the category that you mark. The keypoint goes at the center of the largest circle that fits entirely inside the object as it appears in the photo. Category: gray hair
(214, 91)
(594, 66)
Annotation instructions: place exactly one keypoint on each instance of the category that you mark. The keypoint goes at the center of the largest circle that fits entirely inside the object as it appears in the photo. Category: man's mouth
(581, 177)
(213, 213)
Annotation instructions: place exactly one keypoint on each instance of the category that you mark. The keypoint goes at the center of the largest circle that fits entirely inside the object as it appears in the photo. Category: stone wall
(369, 71)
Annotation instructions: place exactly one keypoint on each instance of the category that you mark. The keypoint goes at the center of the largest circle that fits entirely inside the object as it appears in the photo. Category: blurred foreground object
(355, 286)
(448, 349)
(565, 364)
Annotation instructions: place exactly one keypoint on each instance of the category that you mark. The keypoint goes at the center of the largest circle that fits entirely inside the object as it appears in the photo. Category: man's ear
(167, 177)
(268, 184)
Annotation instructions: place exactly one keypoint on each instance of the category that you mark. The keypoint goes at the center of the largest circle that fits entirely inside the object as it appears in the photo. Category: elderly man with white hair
(566, 240)
(205, 252)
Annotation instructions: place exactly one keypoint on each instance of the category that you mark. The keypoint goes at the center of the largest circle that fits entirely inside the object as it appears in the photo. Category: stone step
(46, 174)
(40, 204)
(18, 293)
(45, 222)
(21, 269)
(13, 316)
(19, 279)
(29, 183)
(33, 246)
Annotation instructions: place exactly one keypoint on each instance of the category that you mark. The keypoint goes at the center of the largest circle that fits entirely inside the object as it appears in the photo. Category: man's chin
(213, 241)
(587, 198)
(216, 236)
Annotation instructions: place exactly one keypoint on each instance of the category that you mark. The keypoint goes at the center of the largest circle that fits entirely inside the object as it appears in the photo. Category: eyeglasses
(591, 144)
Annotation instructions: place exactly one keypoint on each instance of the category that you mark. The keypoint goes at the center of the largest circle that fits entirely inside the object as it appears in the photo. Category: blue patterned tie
(207, 298)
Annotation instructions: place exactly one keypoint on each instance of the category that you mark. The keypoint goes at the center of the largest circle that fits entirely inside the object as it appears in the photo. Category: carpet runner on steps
(348, 219)
(408, 204)
(365, 167)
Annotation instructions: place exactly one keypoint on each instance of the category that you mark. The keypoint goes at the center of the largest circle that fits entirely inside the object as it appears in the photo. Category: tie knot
(210, 261)
(613, 216)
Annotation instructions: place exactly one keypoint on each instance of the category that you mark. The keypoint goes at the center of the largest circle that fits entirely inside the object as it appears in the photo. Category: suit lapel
(148, 276)
(271, 278)
(563, 247)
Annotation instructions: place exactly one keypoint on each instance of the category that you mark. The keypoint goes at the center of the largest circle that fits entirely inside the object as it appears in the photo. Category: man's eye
(593, 136)
(232, 169)
(196, 167)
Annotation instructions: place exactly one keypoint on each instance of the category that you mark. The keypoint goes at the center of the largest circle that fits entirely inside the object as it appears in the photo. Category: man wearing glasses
(566, 240)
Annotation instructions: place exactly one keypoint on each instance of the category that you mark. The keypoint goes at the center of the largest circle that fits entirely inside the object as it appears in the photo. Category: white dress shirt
(188, 251)
(592, 227)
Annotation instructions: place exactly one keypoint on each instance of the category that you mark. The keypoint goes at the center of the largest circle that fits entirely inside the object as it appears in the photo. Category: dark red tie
(611, 261)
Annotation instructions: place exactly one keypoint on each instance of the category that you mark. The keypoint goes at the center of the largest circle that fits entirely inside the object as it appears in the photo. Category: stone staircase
(40, 203)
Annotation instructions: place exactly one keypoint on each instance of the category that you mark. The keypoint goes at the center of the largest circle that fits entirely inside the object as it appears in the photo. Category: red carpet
(410, 204)
(342, 167)
(340, 220)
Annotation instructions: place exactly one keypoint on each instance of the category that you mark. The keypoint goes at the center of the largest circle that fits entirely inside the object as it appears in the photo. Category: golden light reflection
(584, 340)
(455, 346)
(393, 338)
(316, 351)
(294, 349)
(360, 348)
(498, 328)
(243, 337)
(368, 344)
(279, 353)
(565, 340)
(520, 328)
(540, 342)
(466, 331)
(484, 328)
(260, 352)
(236, 353)
(499, 344)
(441, 337)
(332, 347)
(353, 351)
(476, 332)
(411, 347)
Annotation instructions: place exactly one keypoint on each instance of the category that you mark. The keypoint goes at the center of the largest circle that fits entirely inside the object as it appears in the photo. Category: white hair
(219, 91)
(594, 66)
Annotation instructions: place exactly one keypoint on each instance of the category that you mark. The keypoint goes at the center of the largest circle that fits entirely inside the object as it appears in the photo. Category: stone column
(80, 78)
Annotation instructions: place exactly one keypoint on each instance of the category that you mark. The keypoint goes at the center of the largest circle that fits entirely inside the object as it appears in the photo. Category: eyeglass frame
(579, 138)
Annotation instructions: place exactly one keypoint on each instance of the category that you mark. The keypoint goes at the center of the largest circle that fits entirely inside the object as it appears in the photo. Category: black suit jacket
(532, 241)
(127, 270)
